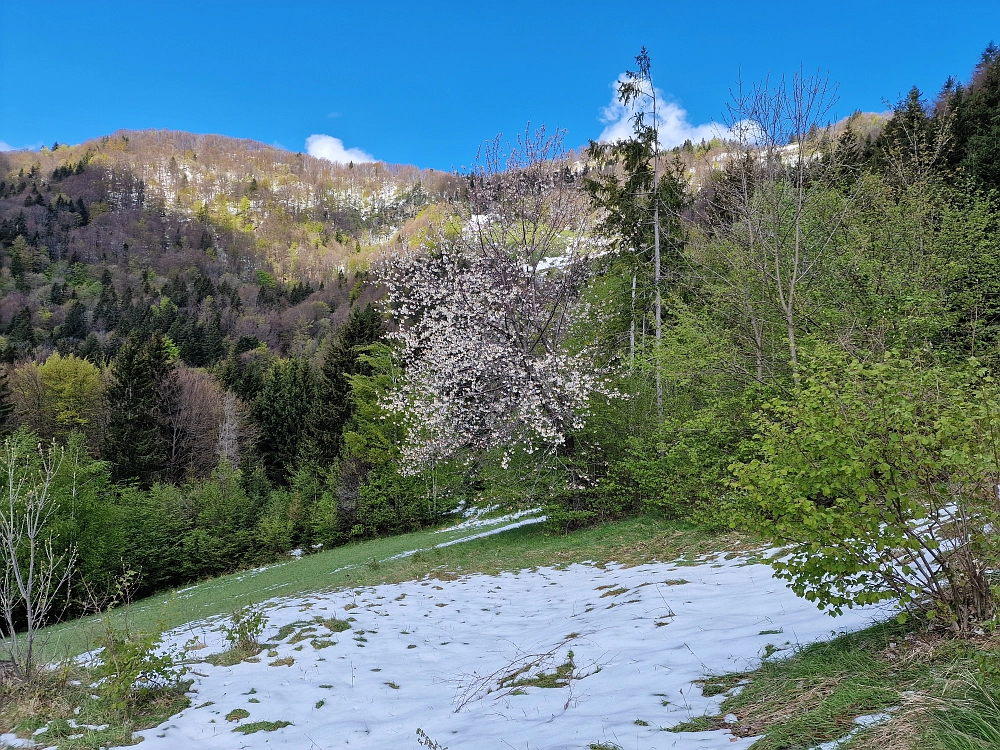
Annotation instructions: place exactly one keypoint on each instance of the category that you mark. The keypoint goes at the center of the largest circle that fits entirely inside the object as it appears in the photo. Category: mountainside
(210, 240)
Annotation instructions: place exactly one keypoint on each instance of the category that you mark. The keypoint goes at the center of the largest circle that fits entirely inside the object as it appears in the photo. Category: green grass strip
(634, 540)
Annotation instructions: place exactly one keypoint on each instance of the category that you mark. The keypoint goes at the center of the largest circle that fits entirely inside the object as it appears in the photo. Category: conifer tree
(91, 350)
(19, 249)
(107, 307)
(20, 328)
(333, 407)
(242, 376)
(57, 295)
(6, 403)
(641, 200)
(975, 146)
(83, 211)
(75, 326)
(132, 441)
(281, 411)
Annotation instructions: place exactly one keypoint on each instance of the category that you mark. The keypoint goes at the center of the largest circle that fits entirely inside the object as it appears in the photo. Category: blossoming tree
(486, 304)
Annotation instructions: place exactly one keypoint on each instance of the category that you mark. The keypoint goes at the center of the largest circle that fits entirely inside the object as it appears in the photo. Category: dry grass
(50, 693)
(918, 677)
(60, 694)
(780, 705)
(905, 730)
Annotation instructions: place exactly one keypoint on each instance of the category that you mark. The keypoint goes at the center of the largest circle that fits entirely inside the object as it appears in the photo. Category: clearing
(474, 649)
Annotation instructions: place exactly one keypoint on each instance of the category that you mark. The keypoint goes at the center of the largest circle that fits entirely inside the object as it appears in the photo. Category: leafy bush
(245, 628)
(882, 479)
(133, 667)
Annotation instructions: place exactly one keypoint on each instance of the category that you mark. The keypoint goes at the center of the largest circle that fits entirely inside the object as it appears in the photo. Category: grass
(972, 722)
(940, 693)
(632, 541)
(57, 699)
(335, 625)
(233, 656)
(559, 678)
(261, 726)
(698, 724)
(815, 695)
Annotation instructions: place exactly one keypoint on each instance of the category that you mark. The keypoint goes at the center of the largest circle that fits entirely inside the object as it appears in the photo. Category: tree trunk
(631, 335)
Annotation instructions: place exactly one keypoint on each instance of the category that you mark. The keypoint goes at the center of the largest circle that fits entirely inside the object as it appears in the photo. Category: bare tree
(780, 218)
(193, 421)
(235, 432)
(35, 571)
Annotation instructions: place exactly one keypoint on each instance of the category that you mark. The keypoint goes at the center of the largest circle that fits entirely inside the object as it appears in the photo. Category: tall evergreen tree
(6, 403)
(244, 376)
(641, 199)
(281, 410)
(20, 328)
(132, 441)
(107, 308)
(333, 406)
(75, 326)
(975, 146)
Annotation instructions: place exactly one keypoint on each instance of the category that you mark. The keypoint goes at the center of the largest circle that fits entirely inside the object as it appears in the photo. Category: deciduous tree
(487, 308)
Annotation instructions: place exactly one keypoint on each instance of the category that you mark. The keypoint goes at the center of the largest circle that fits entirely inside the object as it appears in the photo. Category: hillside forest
(217, 352)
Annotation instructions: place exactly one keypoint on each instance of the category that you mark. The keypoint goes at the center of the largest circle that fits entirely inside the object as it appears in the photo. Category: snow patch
(477, 520)
(441, 656)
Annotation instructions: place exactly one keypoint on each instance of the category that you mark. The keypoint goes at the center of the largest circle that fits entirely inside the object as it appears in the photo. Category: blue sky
(425, 83)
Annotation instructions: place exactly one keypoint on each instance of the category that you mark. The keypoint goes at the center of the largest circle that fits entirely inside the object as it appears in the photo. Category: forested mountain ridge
(180, 313)
(139, 218)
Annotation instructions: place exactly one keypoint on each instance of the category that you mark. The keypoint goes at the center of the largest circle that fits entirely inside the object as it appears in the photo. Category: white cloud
(672, 121)
(332, 149)
(4, 146)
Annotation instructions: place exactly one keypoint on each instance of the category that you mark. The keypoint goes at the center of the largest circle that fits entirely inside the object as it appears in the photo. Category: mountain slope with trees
(181, 315)
(239, 351)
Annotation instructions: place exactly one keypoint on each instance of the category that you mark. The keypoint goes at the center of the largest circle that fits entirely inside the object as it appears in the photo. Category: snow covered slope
(461, 659)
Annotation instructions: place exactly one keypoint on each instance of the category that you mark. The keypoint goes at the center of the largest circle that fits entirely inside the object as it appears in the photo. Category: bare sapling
(35, 570)
(784, 218)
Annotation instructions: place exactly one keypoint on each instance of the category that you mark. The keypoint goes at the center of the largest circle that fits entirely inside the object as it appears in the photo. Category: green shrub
(245, 628)
(881, 478)
(133, 667)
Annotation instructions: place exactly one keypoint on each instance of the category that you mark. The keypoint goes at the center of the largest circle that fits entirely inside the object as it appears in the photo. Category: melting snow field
(433, 654)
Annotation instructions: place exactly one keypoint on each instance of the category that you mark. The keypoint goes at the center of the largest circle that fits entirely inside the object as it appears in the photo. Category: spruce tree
(6, 403)
(107, 307)
(91, 350)
(244, 376)
(83, 211)
(333, 407)
(75, 326)
(281, 410)
(975, 146)
(57, 295)
(132, 441)
(20, 328)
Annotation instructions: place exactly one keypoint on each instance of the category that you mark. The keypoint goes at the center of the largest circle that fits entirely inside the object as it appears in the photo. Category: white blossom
(486, 306)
